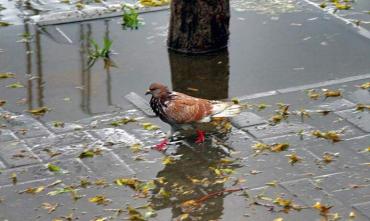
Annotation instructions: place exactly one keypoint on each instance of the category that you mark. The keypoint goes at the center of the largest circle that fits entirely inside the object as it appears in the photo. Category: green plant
(95, 52)
(130, 17)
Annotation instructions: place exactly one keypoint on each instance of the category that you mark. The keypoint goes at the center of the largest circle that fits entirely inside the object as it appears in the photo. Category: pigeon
(178, 110)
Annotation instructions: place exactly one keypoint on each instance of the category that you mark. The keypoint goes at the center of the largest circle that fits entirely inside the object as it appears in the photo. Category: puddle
(283, 50)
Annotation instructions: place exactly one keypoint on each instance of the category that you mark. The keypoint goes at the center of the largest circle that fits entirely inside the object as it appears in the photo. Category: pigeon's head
(157, 90)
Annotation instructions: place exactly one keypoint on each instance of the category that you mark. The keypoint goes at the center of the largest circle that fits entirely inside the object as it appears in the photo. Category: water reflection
(205, 76)
(190, 178)
(35, 54)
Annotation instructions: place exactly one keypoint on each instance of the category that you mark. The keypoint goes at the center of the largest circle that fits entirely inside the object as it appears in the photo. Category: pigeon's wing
(186, 109)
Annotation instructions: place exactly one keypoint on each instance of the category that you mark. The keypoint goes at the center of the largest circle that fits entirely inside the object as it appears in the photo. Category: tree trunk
(198, 26)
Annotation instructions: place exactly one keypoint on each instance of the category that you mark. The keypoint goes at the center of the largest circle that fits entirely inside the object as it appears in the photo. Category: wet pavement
(89, 156)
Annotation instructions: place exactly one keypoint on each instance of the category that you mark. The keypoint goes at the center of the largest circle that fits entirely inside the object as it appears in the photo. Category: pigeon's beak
(148, 92)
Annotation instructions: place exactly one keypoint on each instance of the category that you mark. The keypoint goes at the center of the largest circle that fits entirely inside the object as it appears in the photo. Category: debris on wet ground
(294, 154)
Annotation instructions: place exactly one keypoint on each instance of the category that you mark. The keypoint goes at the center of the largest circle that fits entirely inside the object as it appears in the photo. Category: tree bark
(198, 26)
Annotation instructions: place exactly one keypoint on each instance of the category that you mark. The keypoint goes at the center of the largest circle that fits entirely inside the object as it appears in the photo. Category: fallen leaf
(53, 168)
(313, 94)
(365, 85)
(272, 183)
(293, 158)
(58, 124)
(14, 179)
(260, 147)
(282, 202)
(122, 121)
(163, 193)
(183, 217)
(50, 207)
(7, 75)
(278, 219)
(278, 147)
(99, 200)
(15, 85)
(4, 23)
(352, 214)
(235, 100)
(362, 107)
(149, 126)
(329, 135)
(262, 106)
(90, 153)
(276, 118)
(327, 158)
(60, 191)
(324, 209)
(332, 93)
(254, 172)
(33, 190)
(2, 102)
(39, 111)
(135, 148)
(168, 160)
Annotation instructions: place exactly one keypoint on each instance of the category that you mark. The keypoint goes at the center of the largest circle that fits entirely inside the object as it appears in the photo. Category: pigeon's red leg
(162, 145)
(201, 136)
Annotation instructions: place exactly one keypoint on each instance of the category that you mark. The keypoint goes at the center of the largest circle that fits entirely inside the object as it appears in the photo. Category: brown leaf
(278, 147)
(332, 93)
(50, 207)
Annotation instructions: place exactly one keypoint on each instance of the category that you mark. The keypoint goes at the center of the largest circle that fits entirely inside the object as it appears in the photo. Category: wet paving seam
(303, 87)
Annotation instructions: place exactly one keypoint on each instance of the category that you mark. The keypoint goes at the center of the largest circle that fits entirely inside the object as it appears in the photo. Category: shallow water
(266, 51)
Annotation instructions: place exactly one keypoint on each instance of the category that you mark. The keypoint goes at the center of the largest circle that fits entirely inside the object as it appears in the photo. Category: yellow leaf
(333, 93)
(33, 190)
(283, 202)
(235, 100)
(262, 106)
(189, 203)
(272, 183)
(352, 214)
(324, 209)
(278, 219)
(135, 148)
(99, 200)
(168, 160)
(279, 147)
(149, 126)
(293, 158)
(38, 111)
(313, 94)
(362, 107)
(327, 158)
(365, 85)
(276, 118)
(183, 217)
(14, 179)
(329, 135)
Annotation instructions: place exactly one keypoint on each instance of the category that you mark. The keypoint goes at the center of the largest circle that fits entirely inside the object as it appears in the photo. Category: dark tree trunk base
(198, 26)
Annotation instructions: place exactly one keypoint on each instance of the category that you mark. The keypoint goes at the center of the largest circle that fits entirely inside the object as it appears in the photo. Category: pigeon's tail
(226, 110)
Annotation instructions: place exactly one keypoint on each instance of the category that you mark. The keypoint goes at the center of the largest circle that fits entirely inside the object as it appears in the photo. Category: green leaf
(53, 168)
(4, 23)
(7, 75)
(15, 85)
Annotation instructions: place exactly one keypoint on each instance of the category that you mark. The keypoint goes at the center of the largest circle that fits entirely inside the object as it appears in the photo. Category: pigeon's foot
(162, 145)
(201, 136)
